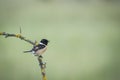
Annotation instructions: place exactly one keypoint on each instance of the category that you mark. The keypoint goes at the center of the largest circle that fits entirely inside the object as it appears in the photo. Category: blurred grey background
(84, 39)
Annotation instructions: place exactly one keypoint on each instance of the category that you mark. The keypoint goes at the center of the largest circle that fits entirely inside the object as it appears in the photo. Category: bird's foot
(40, 56)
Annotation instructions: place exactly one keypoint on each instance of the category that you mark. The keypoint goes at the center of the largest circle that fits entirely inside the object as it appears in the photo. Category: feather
(27, 51)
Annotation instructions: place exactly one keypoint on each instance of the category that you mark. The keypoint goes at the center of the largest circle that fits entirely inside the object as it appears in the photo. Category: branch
(41, 64)
(17, 36)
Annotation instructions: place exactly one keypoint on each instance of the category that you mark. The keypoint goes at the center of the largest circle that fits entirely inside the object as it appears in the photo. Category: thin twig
(17, 36)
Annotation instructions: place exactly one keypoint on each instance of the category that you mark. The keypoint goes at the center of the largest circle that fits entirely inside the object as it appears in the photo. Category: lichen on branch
(42, 66)
(17, 36)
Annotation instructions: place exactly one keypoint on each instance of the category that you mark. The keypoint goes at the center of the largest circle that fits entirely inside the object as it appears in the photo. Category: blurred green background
(84, 39)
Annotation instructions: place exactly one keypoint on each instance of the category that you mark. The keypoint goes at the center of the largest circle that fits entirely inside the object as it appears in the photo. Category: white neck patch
(41, 43)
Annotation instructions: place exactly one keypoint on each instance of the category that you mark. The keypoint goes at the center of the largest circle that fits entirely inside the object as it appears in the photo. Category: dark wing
(38, 47)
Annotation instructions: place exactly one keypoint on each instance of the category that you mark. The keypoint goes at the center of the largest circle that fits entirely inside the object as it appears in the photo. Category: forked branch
(41, 64)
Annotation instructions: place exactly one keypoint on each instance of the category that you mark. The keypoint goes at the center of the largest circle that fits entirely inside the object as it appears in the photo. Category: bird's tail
(27, 51)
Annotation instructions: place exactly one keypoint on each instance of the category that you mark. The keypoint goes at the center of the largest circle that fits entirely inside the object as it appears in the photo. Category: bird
(39, 49)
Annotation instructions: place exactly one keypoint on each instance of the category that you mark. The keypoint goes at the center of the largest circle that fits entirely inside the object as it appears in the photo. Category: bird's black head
(44, 41)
